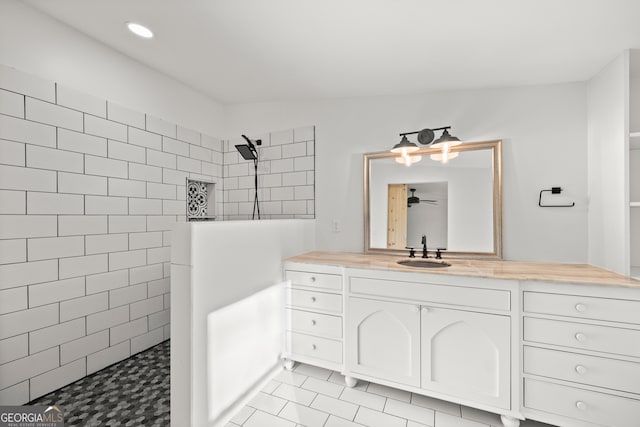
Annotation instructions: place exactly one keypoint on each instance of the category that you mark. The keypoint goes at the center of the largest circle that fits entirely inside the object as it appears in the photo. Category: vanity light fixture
(405, 147)
(425, 137)
(139, 30)
(445, 142)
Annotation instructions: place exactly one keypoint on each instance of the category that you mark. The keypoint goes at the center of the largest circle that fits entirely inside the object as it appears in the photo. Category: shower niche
(201, 200)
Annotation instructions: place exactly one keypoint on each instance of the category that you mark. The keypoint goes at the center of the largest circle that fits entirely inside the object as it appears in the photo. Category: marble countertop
(492, 269)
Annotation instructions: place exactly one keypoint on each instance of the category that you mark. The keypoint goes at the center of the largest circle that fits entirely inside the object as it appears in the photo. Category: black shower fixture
(248, 151)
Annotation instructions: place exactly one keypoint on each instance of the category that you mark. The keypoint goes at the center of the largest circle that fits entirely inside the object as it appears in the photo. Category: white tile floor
(315, 397)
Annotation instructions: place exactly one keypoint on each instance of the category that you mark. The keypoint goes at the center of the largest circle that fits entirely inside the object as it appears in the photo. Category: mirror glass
(427, 207)
(457, 205)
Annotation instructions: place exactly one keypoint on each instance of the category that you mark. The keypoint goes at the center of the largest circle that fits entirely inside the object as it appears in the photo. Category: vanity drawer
(579, 335)
(316, 300)
(315, 323)
(444, 294)
(579, 368)
(316, 280)
(598, 408)
(614, 310)
(319, 348)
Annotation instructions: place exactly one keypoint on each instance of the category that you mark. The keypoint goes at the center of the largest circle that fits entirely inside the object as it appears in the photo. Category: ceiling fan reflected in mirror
(413, 199)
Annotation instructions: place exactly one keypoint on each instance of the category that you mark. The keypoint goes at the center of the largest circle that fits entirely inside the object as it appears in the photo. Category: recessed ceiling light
(139, 30)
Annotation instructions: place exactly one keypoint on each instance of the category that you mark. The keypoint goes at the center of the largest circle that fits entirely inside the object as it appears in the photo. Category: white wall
(608, 120)
(543, 129)
(38, 44)
(244, 348)
(88, 193)
(93, 252)
(214, 265)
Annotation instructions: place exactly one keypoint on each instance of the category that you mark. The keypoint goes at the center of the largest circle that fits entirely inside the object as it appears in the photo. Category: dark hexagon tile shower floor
(134, 392)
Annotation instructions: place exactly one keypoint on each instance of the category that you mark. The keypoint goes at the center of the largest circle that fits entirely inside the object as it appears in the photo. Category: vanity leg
(508, 421)
(288, 364)
(350, 381)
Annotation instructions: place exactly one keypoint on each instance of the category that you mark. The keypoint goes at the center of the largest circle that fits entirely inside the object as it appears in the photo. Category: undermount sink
(419, 263)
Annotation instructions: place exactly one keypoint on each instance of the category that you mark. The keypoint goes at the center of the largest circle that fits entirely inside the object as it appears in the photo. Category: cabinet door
(383, 340)
(466, 354)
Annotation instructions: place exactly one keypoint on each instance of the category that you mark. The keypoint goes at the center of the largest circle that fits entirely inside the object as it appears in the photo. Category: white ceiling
(240, 51)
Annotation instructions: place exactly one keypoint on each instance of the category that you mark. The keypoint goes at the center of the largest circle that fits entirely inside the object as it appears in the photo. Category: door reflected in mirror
(457, 205)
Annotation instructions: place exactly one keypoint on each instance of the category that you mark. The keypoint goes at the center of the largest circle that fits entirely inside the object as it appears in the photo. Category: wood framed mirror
(457, 205)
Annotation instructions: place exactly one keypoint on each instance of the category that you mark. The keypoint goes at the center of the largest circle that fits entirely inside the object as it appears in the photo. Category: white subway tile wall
(286, 176)
(87, 196)
(88, 193)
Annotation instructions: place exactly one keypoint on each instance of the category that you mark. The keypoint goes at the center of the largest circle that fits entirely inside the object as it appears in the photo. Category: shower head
(246, 138)
(248, 151)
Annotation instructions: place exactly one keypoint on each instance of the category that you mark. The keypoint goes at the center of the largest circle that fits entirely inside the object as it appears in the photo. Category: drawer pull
(313, 279)
(581, 369)
(313, 322)
(313, 299)
(581, 405)
(581, 308)
(313, 346)
(581, 337)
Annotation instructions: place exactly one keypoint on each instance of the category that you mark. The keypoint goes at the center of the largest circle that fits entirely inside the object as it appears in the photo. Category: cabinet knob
(416, 309)
(313, 278)
(581, 307)
(313, 346)
(313, 322)
(425, 310)
(581, 405)
(581, 337)
(581, 369)
(313, 299)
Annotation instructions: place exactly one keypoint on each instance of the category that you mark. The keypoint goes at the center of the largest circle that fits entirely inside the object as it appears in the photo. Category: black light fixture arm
(418, 131)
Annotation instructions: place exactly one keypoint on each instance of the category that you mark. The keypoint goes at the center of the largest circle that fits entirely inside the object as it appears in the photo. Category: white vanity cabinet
(486, 335)
(383, 340)
(466, 354)
(314, 315)
(581, 354)
(448, 338)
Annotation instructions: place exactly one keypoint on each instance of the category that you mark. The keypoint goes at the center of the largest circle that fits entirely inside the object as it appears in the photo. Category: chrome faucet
(424, 247)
